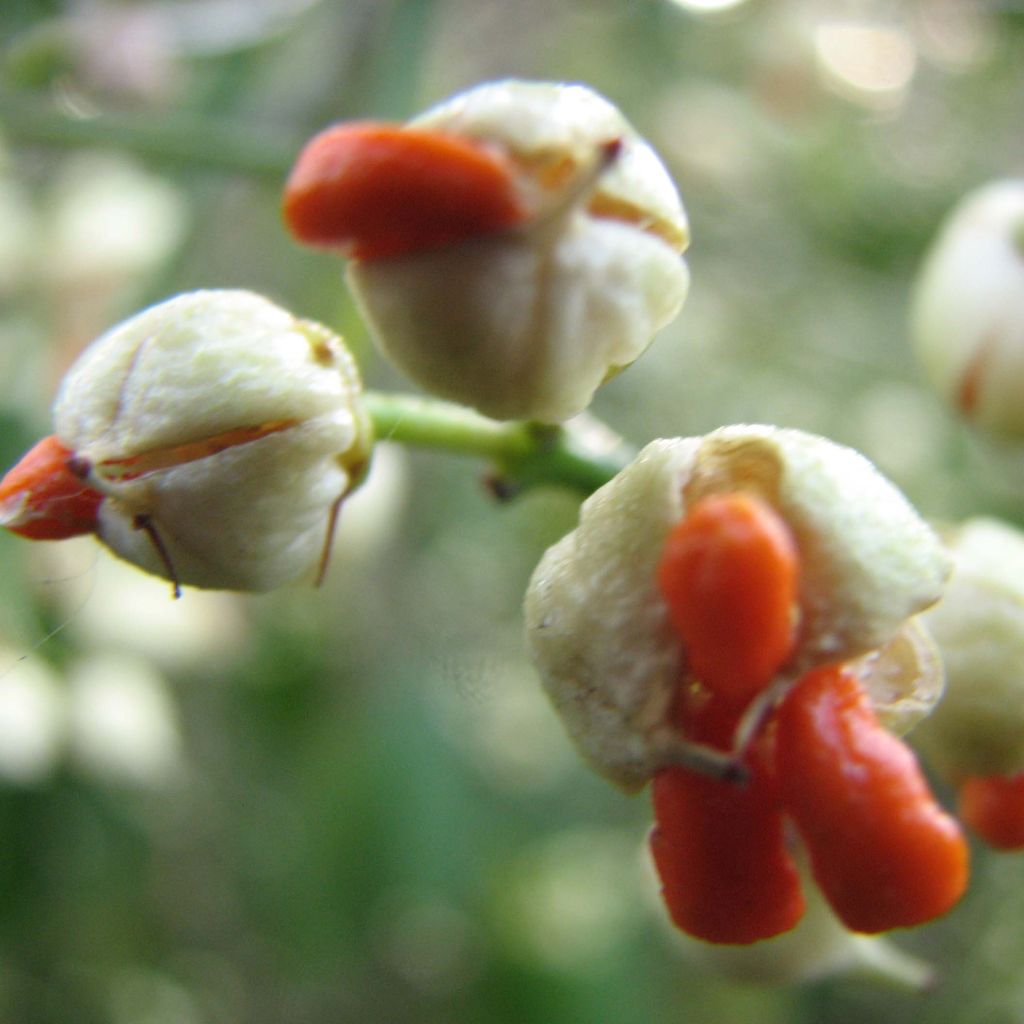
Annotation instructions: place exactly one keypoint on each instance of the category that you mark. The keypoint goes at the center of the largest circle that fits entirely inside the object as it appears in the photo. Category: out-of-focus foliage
(353, 804)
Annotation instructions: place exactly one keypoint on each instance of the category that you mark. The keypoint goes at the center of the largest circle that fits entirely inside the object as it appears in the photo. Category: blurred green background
(353, 804)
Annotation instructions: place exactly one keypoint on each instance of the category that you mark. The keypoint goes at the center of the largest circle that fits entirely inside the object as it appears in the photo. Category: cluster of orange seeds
(821, 769)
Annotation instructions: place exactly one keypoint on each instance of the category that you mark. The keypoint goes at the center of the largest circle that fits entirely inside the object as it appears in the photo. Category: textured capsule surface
(978, 726)
(222, 432)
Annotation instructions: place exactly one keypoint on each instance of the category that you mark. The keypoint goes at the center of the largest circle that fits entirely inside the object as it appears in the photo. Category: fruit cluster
(740, 620)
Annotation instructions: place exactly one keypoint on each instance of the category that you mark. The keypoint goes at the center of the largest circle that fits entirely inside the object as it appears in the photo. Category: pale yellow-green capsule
(222, 432)
(978, 726)
(526, 323)
(967, 320)
(598, 628)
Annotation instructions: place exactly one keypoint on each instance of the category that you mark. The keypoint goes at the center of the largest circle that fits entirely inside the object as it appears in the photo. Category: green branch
(582, 455)
(175, 141)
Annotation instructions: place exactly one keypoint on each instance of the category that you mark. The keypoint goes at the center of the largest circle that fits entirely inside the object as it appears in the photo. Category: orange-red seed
(884, 852)
(993, 807)
(720, 852)
(42, 499)
(729, 573)
(374, 191)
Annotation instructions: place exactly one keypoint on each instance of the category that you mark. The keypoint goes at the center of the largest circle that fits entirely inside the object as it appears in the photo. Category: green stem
(582, 455)
(174, 141)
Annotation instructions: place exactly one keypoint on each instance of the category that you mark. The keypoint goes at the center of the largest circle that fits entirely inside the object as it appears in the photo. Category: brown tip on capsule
(968, 392)
(44, 497)
(372, 191)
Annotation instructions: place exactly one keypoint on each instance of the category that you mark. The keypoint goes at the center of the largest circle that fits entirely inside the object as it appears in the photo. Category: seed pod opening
(221, 433)
(539, 286)
(599, 628)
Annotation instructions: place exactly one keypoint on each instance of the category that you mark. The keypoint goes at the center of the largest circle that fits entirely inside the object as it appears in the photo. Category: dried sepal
(905, 677)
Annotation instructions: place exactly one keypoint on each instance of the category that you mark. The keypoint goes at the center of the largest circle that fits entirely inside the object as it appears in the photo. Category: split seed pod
(968, 314)
(210, 438)
(513, 248)
(599, 630)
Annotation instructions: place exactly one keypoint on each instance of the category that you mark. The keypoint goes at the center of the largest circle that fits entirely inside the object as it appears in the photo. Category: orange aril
(883, 851)
(43, 499)
(729, 573)
(993, 806)
(374, 190)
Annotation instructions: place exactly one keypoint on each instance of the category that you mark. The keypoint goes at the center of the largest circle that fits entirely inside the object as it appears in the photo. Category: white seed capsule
(598, 627)
(967, 320)
(528, 322)
(222, 432)
(978, 726)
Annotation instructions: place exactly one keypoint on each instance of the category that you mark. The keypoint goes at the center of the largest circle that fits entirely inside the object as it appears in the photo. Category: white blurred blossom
(109, 219)
(110, 604)
(32, 718)
(571, 899)
(123, 721)
(869, 63)
(17, 234)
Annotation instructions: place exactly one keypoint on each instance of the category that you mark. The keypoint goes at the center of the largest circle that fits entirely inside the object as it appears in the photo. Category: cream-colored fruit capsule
(217, 434)
(967, 320)
(524, 308)
(978, 726)
(598, 627)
